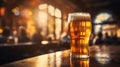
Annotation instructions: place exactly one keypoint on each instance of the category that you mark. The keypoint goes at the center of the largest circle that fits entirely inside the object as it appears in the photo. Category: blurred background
(34, 27)
(39, 20)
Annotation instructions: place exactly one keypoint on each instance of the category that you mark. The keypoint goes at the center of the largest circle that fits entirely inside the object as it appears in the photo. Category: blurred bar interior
(49, 17)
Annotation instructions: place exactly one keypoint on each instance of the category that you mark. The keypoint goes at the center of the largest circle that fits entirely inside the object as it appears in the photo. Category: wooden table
(101, 56)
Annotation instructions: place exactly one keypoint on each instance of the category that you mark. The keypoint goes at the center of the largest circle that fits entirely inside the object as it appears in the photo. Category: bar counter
(100, 56)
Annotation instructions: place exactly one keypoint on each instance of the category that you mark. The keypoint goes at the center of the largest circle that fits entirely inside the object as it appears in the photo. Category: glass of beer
(79, 28)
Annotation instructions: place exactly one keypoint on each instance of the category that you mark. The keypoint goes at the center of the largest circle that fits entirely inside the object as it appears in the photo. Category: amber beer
(79, 31)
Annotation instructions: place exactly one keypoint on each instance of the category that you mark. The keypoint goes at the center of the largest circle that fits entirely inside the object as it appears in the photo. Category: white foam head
(79, 16)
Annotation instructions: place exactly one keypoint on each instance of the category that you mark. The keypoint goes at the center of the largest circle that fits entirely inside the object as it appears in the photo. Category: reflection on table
(79, 62)
(101, 56)
(17, 44)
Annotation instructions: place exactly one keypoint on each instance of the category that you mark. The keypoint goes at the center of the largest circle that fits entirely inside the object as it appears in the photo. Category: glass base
(79, 56)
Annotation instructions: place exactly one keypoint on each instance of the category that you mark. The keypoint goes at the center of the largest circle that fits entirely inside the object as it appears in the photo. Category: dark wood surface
(12, 52)
(101, 56)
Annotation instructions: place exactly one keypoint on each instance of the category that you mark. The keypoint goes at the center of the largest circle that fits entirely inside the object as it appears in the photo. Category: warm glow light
(43, 6)
(29, 13)
(113, 26)
(44, 42)
(42, 22)
(26, 13)
(98, 21)
(1, 30)
(109, 28)
(51, 24)
(118, 32)
(30, 28)
(15, 32)
(102, 17)
(49, 60)
(58, 13)
(2, 11)
(42, 16)
(16, 11)
(57, 28)
(58, 63)
(97, 28)
(65, 53)
(84, 63)
(49, 20)
(42, 61)
(51, 10)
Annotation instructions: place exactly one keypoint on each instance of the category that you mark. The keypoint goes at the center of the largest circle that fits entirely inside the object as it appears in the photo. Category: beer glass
(79, 28)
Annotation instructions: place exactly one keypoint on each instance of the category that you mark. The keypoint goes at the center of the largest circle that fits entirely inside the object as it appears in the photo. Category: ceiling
(98, 5)
(92, 6)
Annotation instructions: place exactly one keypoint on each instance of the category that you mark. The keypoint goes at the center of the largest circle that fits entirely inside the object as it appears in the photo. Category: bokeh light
(16, 11)
(58, 28)
(43, 6)
(2, 11)
(58, 13)
(51, 10)
(102, 17)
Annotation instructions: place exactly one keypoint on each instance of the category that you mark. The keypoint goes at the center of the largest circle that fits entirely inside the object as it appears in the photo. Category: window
(49, 20)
